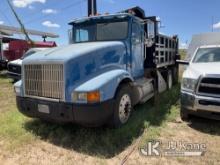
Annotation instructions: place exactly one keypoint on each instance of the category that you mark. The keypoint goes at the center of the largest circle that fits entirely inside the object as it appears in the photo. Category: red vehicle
(13, 49)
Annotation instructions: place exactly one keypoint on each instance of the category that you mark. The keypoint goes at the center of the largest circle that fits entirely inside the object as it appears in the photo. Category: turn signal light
(93, 97)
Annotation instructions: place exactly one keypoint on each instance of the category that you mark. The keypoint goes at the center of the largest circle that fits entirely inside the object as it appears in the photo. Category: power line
(8, 20)
(20, 22)
(212, 24)
(61, 9)
(40, 10)
(32, 14)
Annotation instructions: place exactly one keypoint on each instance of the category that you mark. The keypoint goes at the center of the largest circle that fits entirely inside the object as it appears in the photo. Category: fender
(106, 83)
(18, 87)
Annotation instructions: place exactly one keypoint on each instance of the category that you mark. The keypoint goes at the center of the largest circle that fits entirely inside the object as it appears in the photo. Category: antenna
(212, 23)
(19, 21)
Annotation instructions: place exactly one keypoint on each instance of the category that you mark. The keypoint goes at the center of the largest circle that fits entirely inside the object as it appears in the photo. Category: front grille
(209, 86)
(14, 68)
(44, 80)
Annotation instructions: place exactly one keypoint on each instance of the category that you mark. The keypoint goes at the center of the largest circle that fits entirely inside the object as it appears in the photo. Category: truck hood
(16, 62)
(66, 53)
(83, 61)
(195, 70)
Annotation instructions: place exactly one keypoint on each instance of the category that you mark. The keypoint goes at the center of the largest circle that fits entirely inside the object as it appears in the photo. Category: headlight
(79, 97)
(89, 97)
(189, 84)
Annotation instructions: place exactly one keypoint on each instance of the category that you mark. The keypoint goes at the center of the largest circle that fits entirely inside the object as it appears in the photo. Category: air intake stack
(92, 8)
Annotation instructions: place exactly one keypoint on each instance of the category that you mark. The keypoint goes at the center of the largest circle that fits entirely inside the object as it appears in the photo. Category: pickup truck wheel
(123, 107)
(184, 114)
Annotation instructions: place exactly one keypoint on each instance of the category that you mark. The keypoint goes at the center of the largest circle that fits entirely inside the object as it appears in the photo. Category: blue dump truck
(113, 62)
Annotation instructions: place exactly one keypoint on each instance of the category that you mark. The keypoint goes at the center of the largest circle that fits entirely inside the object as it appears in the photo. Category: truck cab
(124, 32)
(113, 62)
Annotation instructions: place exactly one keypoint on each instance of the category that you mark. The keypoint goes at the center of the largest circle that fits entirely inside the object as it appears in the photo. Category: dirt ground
(196, 131)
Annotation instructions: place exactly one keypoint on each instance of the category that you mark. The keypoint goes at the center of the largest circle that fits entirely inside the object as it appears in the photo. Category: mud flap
(162, 85)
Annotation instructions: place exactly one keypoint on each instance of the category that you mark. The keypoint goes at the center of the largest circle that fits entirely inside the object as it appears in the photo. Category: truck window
(30, 52)
(84, 33)
(112, 31)
(136, 33)
(206, 55)
(150, 29)
(100, 32)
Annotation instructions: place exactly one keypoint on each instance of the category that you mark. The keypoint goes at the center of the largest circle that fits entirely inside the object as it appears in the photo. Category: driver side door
(137, 57)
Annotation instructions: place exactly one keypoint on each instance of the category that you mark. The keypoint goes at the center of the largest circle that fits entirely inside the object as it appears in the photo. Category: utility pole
(92, 7)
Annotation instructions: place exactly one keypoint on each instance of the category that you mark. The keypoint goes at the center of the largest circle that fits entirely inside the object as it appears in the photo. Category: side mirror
(182, 62)
(149, 42)
(150, 29)
(70, 35)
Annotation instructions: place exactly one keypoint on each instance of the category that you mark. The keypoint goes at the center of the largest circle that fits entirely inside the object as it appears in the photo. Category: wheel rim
(170, 81)
(124, 108)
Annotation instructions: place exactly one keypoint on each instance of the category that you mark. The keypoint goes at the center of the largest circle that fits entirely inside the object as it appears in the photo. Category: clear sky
(182, 17)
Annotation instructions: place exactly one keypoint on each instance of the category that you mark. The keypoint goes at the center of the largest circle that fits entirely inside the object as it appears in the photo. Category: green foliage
(182, 53)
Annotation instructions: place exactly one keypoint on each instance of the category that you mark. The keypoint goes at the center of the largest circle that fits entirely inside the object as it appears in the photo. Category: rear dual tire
(172, 77)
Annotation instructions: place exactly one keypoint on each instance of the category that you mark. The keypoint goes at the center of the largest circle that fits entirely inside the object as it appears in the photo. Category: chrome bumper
(13, 75)
(194, 102)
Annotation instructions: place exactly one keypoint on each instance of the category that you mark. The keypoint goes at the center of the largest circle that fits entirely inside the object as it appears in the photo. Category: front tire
(184, 114)
(123, 107)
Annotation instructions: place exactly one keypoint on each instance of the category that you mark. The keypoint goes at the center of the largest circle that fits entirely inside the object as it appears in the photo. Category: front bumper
(89, 114)
(3, 64)
(14, 76)
(201, 105)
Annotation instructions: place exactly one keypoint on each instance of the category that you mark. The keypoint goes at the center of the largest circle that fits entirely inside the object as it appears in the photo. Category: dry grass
(7, 98)
(29, 141)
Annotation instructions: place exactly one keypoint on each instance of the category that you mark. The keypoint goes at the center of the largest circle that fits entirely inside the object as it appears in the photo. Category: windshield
(28, 53)
(100, 32)
(206, 55)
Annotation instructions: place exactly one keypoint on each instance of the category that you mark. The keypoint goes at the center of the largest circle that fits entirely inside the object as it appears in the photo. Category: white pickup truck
(14, 67)
(200, 90)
